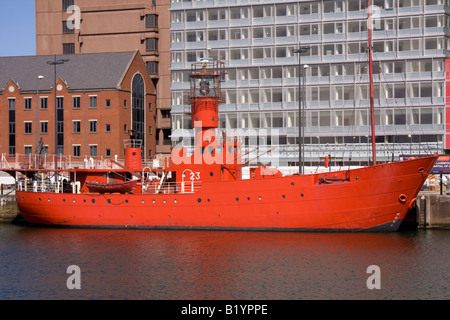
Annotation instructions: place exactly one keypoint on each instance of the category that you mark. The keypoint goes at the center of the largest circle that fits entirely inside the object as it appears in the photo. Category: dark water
(168, 265)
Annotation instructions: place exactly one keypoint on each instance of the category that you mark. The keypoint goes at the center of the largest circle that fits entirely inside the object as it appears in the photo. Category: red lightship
(206, 190)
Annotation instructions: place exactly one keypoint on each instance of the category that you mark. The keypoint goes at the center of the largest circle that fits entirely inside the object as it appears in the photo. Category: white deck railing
(60, 162)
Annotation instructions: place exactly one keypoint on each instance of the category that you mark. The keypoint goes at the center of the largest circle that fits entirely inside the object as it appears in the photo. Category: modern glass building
(257, 40)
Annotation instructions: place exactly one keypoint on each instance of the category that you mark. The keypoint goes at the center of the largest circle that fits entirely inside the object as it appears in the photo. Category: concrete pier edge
(432, 210)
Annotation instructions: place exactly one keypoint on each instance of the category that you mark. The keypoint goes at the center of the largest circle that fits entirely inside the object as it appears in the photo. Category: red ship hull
(375, 198)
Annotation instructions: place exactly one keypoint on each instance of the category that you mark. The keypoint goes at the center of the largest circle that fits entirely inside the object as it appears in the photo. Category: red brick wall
(115, 115)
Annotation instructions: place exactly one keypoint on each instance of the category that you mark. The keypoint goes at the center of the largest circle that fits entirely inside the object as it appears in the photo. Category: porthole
(73, 200)
(154, 201)
(164, 201)
(64, 200)
(142, 201)
(199, 200)
(284, 196)
(248, 198)
(259, 198)
(84, 200)
(109, 200)
(93, 200)
(126, 201)
(175, 201)
(211, 174)
(237, 199)
(302, 195)
(48, 199)
(39, 199)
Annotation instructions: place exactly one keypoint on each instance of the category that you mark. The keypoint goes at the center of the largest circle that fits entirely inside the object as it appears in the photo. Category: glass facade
(257, 38)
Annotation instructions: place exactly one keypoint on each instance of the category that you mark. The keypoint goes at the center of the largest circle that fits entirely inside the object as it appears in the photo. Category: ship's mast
(372, 104)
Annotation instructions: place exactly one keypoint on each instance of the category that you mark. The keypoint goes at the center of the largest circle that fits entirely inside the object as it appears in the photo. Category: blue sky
(17, 28)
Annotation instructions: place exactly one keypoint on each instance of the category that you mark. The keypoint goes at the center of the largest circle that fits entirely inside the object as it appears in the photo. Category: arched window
(138, 108)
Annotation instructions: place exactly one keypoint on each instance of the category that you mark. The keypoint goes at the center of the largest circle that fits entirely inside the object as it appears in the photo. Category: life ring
(402, 198)
(109, 163)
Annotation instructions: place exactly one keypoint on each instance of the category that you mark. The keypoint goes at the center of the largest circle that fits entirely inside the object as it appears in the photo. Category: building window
(12, 104)
(44, 103)
(92, 102)
(165, 114)
(28, 127)
(12, 125)
(124, 104)
(76, 151)
(152, 67)
(107, 128)
(27, 103)
(150, 130)
(60, 103)
(66, 29)
(28, 150)
(108, 103)
(198, 36)
(67, 4)
(108, 153)
(150, 153)
(68, 48)
(76, 102)
(76, 126)
(151, 21)
(151, 44)
(93, 126)
(44, 127)
(149, 107)
(92, 150)
(125, 129)
(138, 108)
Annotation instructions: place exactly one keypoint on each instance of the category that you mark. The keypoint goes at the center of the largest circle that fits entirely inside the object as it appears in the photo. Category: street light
(300, 50)
(57, 148)
(410, 144)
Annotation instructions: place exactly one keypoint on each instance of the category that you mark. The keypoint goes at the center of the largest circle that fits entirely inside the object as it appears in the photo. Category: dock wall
(8, 208)
(433, 210)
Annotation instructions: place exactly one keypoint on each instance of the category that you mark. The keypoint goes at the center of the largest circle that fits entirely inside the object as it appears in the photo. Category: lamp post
(36, 127)
(54, 63)
(300, 50)
(410, 144)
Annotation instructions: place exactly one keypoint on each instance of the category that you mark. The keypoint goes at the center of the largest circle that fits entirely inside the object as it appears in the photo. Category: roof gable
(82, 71)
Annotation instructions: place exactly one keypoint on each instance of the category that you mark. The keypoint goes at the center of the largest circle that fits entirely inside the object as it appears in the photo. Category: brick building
(100, 99)
(114, 26)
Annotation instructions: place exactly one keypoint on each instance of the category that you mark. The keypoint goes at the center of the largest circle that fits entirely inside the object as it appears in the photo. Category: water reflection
(138, 264)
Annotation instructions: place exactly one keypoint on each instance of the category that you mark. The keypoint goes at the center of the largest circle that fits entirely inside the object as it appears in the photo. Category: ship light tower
(205, 93)
(204, 96)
